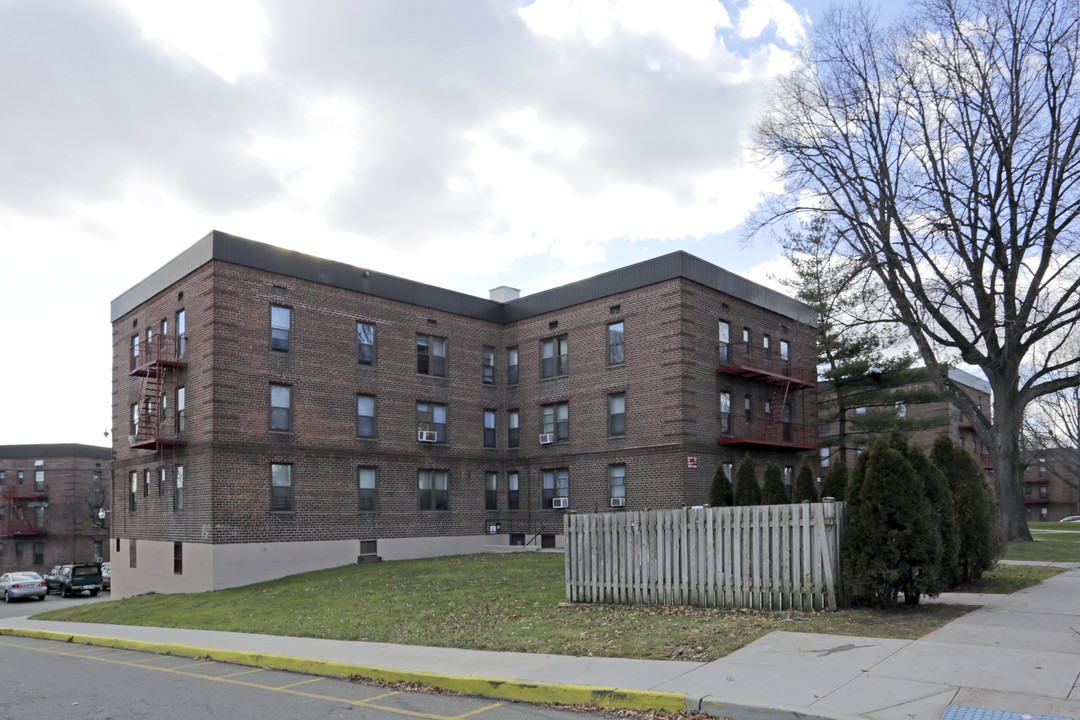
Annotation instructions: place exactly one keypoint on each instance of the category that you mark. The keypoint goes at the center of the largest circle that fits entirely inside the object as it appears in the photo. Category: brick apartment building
(50, 496)
(277, 412)
(1047, 495)
(952, 422)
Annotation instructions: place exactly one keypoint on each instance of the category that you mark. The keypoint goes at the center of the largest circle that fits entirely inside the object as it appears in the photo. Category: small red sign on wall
(691, 461)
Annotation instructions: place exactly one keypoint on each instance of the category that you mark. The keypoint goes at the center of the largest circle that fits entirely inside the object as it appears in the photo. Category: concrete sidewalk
(1018, 654)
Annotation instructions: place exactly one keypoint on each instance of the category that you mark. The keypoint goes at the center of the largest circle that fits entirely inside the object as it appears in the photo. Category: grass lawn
(507, 602)
(1053, 542)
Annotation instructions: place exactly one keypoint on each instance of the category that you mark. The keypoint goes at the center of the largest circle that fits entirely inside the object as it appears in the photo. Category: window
(432, 417)
(513, 490)
(178, 492)
(824, 457)
(553, 357)
(39, 517)
(512, 366)
(748, 408)
(134, 351)
(729, 471)
(785, 357)
(617, 482)
(39, 553)
(491, 491)
(3, 476)
(365, 341)
(178, 558)
(615, 344)
(1042, 472)
(1, 549)
(431, 355)
(39, 480)
(513, 418)
(365, 416)
(132, 560)
(281, 486)
(146, 483)
(489, 428)
(860, 410)
(280, 407)
(789, 479)
(161, 481)
(617, 414)
(901, 410)
(555, 419)
(181, 409)
(1044, 514)
(18, 550)
(97, 551)
(487, 363)
(19, 477)
(556, 484)
(725, 412)
(365, 478)
(785, 422)
(766, 346)
(725, 342)
(434, 489)
(135, 419)
(134, 478)
(746, 340)
(1042, 495)
(280, 327)
(181, 330)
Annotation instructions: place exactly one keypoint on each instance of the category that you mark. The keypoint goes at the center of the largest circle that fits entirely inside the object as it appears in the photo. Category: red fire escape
(18, 500)
(779, 429)
(159, 366)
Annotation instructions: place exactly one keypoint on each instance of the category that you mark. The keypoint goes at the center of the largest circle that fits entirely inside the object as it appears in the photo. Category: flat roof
(55, 450)
(260, 256)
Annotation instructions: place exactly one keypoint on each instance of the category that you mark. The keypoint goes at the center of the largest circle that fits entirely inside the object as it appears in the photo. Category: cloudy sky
(465, 144)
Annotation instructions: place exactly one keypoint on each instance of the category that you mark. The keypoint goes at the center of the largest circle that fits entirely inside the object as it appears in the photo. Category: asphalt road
(20, 607)
(45, 679)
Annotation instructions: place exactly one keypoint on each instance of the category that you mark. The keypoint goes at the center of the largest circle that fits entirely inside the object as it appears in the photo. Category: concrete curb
(535, 692)
(502, 688)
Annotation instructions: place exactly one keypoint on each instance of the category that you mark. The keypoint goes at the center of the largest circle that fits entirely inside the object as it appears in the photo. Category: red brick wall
(669, 378)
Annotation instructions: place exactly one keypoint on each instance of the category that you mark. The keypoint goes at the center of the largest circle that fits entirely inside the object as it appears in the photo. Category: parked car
(106, 576)
(74, 578)
(23, 585)
(1071, 518)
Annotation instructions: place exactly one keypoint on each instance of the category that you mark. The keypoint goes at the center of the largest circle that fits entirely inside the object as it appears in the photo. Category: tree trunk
(1008, 469)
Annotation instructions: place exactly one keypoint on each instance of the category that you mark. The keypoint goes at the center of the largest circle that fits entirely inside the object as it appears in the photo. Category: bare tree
(946, 150)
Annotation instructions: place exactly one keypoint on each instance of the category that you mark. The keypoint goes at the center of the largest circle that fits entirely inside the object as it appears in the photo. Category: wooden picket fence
(778, 557)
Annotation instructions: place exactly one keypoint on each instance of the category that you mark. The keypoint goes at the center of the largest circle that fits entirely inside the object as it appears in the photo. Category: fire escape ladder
(150, 407)
(775, 421)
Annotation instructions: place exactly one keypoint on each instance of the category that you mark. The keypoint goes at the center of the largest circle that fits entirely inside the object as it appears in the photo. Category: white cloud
(689, 25)
(761, 14)
(450, 143)
(225, 36)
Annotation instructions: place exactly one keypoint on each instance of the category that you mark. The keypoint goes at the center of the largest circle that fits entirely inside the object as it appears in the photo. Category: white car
(1071, 518)
(23, 585)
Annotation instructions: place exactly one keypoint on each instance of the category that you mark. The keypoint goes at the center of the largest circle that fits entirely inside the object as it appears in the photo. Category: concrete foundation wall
(216, 567)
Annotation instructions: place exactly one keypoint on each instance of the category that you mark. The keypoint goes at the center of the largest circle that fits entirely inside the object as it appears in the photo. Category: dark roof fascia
(678, 264)
(230, 248)
(56, 450)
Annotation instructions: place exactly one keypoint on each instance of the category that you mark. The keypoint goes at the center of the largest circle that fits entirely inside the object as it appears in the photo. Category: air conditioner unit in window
(560, 502)
(618, 502)
(547, 438)
(427, 436)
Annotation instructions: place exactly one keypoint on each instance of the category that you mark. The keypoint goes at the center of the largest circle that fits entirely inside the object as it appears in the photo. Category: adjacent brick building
(50, 498)
(1050, 485)
(276, 412)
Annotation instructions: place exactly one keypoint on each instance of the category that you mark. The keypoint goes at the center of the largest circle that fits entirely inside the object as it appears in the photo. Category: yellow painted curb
(522, 690)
